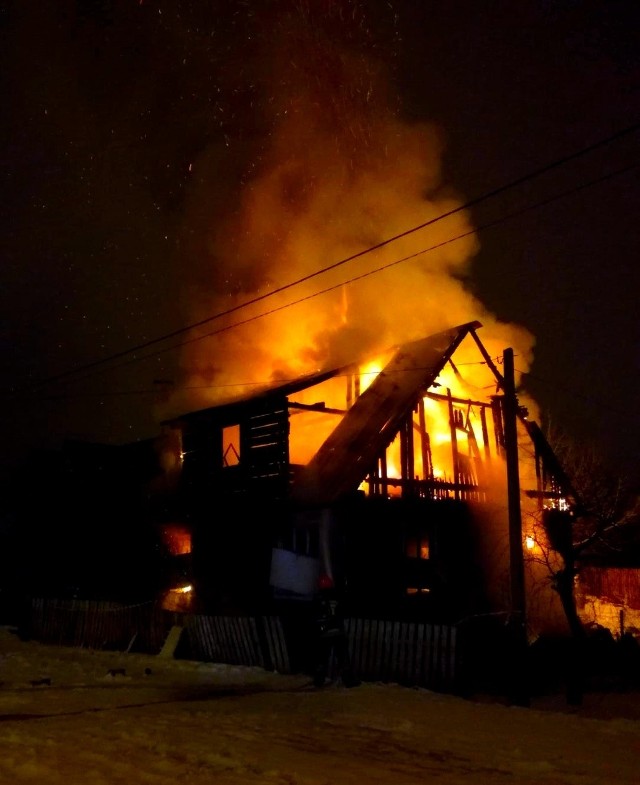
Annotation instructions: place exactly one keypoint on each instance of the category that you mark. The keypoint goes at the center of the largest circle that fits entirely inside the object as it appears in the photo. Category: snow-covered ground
(76, 716)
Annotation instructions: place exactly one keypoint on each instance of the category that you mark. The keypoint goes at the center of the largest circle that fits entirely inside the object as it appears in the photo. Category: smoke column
(323, 166)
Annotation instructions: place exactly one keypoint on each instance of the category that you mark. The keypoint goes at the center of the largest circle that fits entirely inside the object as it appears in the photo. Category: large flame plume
(334, 169)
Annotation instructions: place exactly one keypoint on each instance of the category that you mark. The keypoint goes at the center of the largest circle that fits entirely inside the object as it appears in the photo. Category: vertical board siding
(619, 585)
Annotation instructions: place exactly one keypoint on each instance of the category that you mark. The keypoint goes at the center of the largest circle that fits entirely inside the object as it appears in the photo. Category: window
(417, 547)
(417, 572)
(231, 445)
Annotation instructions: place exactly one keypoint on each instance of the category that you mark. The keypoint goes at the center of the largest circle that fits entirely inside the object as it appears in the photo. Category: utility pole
(513, 488)
(516, 560)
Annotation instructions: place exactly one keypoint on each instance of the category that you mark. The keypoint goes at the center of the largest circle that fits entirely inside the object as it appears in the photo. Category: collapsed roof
(370, 425)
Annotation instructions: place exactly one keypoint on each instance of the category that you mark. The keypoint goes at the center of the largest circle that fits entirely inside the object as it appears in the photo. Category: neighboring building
(610, 597)
(608, 583)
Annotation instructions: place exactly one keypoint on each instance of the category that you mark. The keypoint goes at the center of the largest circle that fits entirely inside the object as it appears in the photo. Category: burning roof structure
(377, 417)
(407, 454)
(371, 429)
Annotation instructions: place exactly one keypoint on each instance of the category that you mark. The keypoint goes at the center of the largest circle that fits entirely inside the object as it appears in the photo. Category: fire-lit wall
(610, 597)
(177, 539)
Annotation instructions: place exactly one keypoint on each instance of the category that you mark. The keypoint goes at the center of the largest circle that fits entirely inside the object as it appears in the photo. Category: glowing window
(231, 445)
(417, 547)
(177, 539)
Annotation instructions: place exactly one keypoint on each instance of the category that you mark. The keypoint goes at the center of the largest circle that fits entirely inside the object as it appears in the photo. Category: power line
(480, 228)
(467, 205)
(259, 383)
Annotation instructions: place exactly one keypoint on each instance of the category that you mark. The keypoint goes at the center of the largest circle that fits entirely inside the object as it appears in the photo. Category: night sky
(133, 131)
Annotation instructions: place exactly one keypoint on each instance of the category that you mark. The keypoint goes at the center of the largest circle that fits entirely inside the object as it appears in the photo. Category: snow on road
(76, 716)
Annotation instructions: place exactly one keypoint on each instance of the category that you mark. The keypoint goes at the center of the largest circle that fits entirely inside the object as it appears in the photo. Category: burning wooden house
(408, 480)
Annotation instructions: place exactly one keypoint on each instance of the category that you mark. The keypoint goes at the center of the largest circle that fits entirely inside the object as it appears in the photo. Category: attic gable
(325, 436)
(370, 425)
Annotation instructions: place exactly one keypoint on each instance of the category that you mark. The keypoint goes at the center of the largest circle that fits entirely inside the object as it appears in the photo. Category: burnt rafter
(544, 452)
(543, 449)
(369, 427)
(464, 401)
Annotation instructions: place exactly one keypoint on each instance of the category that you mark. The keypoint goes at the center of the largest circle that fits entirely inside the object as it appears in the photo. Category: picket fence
(390, 651)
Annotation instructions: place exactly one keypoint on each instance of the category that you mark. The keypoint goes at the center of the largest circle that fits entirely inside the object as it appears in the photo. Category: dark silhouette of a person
(331, 645)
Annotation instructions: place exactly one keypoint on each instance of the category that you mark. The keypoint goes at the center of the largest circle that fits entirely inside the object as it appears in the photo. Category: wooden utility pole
(513, 488)
(518, 677)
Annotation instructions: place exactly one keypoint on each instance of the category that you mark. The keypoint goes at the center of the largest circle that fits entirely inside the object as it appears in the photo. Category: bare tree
(595, 514)
(601, 519)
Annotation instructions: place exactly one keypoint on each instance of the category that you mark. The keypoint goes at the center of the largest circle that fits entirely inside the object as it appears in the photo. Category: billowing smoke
(324, 168)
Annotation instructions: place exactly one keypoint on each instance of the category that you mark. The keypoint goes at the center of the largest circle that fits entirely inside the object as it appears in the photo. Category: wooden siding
(265, 447)
(619, 585)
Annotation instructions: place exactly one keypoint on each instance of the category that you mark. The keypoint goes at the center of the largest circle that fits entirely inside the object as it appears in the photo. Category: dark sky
(127, 125)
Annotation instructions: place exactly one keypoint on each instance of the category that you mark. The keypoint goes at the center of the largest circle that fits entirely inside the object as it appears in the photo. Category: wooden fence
(239, 640)
(410, 653)
(96, 624)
